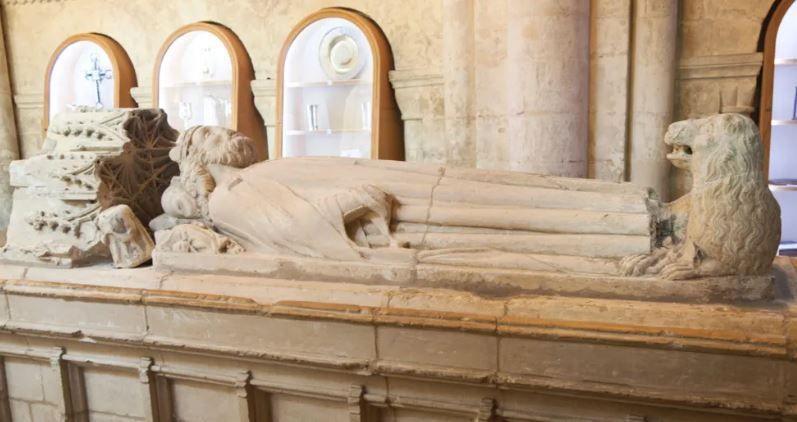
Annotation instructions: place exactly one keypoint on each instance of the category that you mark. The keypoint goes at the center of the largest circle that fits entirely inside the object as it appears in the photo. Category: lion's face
(716, 146)
(680, 137)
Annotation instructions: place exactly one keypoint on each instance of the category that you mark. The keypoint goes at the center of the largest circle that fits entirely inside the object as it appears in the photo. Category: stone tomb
(332, 289)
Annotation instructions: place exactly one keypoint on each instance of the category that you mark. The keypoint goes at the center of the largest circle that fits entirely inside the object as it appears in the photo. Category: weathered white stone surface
(127, 239)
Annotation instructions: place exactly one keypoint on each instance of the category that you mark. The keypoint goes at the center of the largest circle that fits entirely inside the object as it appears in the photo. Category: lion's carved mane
(731, 223)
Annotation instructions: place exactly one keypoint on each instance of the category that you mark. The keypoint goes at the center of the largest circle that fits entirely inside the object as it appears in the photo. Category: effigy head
(181, 202)
(214, 145)
(197, 149)
(716, 146)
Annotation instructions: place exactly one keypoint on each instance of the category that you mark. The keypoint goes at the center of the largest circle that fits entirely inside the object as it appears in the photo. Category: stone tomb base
(483, 281)
(155, 345)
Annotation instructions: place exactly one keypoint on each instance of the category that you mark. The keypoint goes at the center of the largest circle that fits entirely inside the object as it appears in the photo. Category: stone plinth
(222, 348)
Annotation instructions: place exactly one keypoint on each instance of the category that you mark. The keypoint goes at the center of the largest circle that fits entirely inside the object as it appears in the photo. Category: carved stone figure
(90, 161)
(183, 226)
(394, 213)
(126, 238)
(195, 238)
(324, 218)
(198, 148)
(729, 224)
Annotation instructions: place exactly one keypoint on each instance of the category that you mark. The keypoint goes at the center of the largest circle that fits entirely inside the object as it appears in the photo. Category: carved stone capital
(419, 93)
(142, 95)
(724, 66)
(29, 101)
(265, 93)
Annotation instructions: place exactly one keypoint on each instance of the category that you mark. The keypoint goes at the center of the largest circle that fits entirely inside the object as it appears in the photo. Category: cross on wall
(97, 75)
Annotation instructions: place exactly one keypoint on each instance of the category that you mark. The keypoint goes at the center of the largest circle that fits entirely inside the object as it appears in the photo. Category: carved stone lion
(729, 224)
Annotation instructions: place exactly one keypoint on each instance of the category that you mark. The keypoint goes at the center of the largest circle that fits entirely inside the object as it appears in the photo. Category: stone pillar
(9, 148)
(610, 40)
(420, 98)
(458, 71)
(655, 24)
(547, 86)
(265, 93)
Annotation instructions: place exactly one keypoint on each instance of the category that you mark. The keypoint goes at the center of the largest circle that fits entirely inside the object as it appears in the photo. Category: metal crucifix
(97, 74)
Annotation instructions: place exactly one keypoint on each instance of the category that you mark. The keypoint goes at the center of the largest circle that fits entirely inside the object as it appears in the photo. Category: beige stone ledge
(746, 329)
(27, 101)
(722, 66)
(415, 78)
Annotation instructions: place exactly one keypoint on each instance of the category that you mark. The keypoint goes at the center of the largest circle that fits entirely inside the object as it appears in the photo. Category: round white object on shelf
(342, 53)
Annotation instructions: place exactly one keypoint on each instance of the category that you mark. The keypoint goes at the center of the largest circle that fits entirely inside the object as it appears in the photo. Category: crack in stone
(431, 204)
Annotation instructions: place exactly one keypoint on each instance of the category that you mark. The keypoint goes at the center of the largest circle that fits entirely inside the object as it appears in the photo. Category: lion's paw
(678, 271)
(636, 265)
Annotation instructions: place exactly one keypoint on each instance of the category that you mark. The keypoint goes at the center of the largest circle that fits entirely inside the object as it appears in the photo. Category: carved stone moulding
(90, 162)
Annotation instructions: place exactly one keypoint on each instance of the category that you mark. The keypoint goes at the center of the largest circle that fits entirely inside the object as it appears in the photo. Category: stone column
(9, 148)
(458, 71)
(655, 24)
(610, 42)
(547, 86)
(265, 93)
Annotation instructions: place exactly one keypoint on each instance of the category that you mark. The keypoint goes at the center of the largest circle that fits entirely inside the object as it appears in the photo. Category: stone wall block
(255, 334)
(455, 350)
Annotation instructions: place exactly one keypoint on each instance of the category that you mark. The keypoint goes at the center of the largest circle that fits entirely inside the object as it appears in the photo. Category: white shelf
(198, 84)
(325, 131)
(784, 123)
(785, 62)
(783, 185)
(328, 83)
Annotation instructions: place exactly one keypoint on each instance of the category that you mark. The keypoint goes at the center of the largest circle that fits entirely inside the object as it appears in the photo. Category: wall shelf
(197, 84)
(776, 108)
(333, 73)
(328, 83)
(325, 132)
(783, 185)
(202, 77)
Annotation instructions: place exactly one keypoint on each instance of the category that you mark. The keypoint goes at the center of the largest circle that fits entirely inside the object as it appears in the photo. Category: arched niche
(778, 115)
(334, 97)
(202, 77)
(88, 70)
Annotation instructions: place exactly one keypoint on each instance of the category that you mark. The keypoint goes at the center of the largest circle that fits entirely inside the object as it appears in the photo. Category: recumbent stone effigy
(385, 222)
